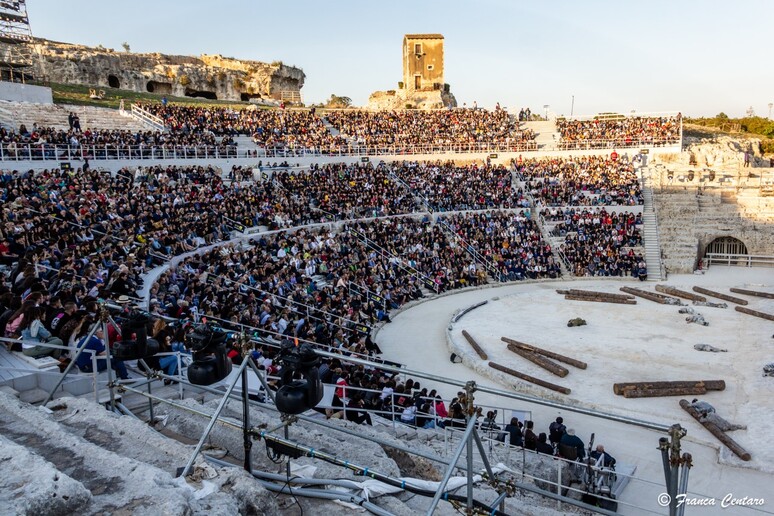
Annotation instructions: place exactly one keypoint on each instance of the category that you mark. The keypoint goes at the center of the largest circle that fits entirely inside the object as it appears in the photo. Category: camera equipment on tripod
(297, 396)
(210, 359)
(134, 343)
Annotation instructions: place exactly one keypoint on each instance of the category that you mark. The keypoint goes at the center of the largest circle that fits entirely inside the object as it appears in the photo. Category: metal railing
(52, 152)
(396, 149)
(739, 260)
(612, 143)
(619, 116)
(148, 118)
(58, 152)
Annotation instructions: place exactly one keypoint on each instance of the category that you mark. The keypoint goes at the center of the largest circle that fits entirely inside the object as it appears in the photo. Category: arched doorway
(726, 245)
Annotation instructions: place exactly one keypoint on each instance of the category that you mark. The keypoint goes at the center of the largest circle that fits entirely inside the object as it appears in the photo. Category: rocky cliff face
(208, 76)
(410, 99)
(723, 152)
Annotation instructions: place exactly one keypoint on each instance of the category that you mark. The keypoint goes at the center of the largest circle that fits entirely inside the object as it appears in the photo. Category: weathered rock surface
(403, 99)
(720, 152)
(122, 463)
(209, 76)
(31, 485)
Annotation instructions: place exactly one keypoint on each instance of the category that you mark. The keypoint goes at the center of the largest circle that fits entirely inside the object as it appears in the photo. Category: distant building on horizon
(423, 62)
(423, 85)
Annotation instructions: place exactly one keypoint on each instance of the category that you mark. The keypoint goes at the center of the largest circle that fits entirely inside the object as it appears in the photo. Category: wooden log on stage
(476, 347)
(528, 378)
(756, 313)
(710, 385)
(545, 352)
(680, 293)
(601, 299)
(767, 295)
(541, 361)
(658, 393)
(720, 295)
(717, 432)
(593, 293)
(650, 296)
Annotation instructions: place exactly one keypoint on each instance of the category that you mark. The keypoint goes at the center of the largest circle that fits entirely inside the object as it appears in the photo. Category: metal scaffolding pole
(72, 363)
(214, 417)
(456, 457)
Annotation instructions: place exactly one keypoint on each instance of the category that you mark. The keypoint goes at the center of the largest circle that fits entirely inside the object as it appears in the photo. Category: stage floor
(646, 341)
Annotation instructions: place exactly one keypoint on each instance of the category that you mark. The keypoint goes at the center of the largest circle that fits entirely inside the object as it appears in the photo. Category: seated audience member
(573, 441)
(96, 344)
(542, 446)
(608, 461)
(514, 433)
(556, 430)
(530, 438)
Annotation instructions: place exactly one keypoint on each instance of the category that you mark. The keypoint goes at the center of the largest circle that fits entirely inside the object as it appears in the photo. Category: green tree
(338, 102)
(126, 46)
(722, 116)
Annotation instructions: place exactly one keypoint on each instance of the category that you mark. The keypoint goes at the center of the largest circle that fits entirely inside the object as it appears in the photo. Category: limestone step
(7, 389)
(33, 396)
(122, 465)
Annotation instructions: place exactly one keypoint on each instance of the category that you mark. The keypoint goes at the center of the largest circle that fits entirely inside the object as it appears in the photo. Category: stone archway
(726, 245)
(113, 81)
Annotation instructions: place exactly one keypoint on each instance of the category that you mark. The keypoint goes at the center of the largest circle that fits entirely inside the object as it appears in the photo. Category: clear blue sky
(699, 56)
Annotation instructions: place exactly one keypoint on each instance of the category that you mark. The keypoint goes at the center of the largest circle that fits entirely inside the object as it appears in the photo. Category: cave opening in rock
(113, 81)
(247, 96)
(163, 88)
(204, 94)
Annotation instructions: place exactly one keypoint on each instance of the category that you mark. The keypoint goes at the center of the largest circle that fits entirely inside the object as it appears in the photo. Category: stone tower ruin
(423, 62)
(423, 85)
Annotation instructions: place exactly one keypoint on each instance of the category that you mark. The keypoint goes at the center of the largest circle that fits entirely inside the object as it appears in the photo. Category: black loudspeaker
(297, 396)
(210, 356)
(209, 370)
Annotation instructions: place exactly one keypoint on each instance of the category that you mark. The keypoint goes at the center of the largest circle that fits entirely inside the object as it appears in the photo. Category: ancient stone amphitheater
(62, 452)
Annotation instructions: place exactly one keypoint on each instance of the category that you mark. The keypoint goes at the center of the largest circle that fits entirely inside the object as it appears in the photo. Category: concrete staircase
(555, 241)
(650, 238)
(329, 126)
(245, 143)
(546, 134)
(54, 115)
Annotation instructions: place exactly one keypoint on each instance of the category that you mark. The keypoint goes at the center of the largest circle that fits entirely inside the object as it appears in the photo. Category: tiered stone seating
(55, 115)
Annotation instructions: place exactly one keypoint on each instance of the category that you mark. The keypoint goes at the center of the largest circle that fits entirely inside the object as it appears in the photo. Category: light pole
(545, 108)
(771, 104)
(572, 106)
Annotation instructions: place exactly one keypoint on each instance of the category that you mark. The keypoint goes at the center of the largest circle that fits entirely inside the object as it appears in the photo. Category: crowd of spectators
(453, 129)
(511, 243)
(583, 181)
(600, 243)
(391, 131)
(596, 242)
(448, 187)
(619, 131)
(341, 191)
(52, 143)
(70, 237)
(272, 129)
